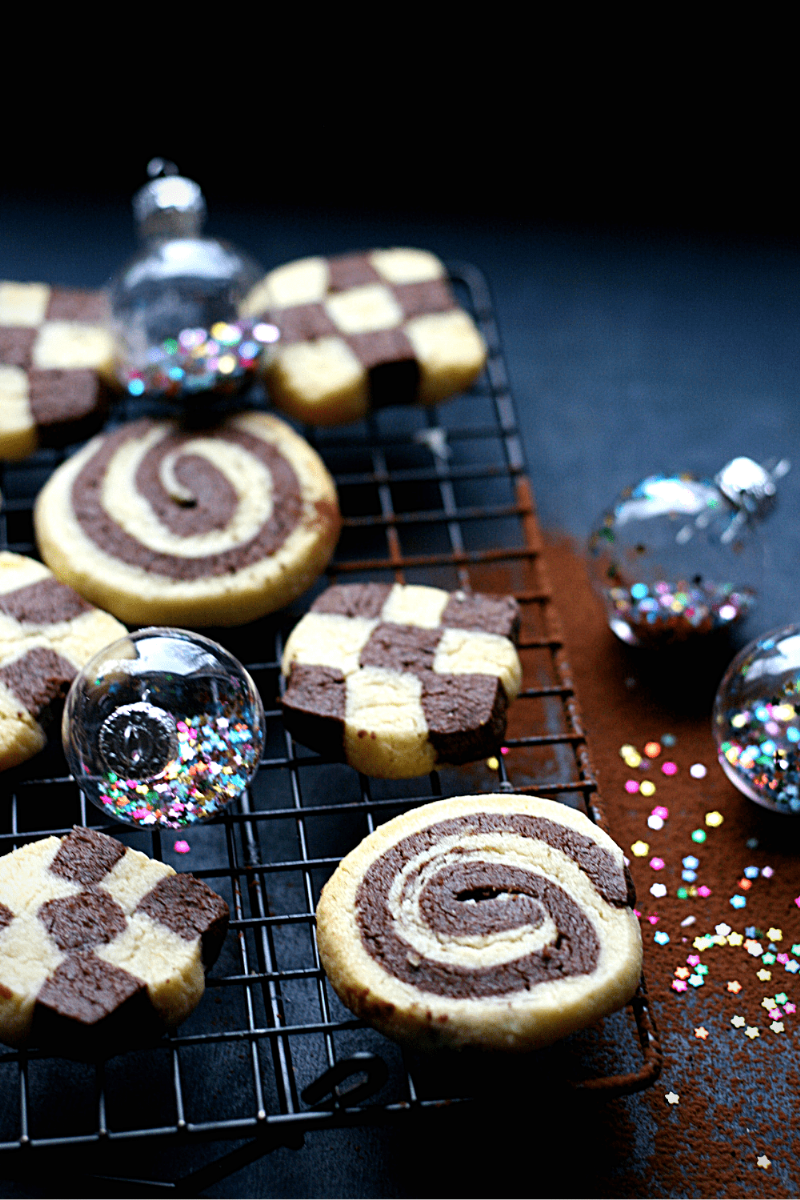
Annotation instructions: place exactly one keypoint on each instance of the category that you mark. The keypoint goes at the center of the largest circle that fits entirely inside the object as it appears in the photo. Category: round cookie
(56, 360)
(364, 331)
(47, 633)
(395, 679)
(169, 526)
(99, 944)
(498, 922)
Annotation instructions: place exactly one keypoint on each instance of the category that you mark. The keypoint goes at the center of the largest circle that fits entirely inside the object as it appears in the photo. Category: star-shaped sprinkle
(657, 864)
(661, 938)
(714, 819)
(738, 1021)
(679, 985)
(790, 1008)
(704, 891)
(735, 939)
(701, 1033)
(768, 1002)
(672, 1098)
(763, 1162)
(751, 1032)
(777, 1026)
(738, 901)
(682, 972)
(658, 890)
(764, 975)
(768, 872)
(775, 935)
(722, 929)
(734, 986)
(781, 997)
(640, 849)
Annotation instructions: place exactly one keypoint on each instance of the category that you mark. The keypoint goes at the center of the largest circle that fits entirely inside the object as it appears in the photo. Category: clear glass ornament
(163, 727)
(756, 720)
(175, 305)
(677, 556)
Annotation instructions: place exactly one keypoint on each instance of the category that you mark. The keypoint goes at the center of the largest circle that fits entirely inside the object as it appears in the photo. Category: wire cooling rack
(437, 496)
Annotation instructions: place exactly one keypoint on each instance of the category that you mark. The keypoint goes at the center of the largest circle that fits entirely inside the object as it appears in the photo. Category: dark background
(645, 266)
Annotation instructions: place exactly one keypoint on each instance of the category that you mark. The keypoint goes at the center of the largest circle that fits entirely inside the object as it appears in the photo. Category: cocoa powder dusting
(735, 1090)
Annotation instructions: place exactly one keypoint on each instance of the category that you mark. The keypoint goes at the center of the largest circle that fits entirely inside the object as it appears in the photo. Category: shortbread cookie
(500, 922)
(56, 357)
(165, 525)
(100, 944)
(47, 633)
(396, 679)
(364, 331)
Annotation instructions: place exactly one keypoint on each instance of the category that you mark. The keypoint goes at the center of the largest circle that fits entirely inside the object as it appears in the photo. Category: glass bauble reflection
(756, 720)
(676, 556)
(163, 727)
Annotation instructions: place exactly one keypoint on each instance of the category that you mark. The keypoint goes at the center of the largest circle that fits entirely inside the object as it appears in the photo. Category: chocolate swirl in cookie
(498, 922)
(181, 479)
(162, 524)
(456, 885)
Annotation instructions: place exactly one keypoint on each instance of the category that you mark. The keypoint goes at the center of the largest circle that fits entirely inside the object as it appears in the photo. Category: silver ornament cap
(748, 485)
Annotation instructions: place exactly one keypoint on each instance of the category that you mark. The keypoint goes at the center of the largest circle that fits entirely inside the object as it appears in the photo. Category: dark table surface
(629, 351)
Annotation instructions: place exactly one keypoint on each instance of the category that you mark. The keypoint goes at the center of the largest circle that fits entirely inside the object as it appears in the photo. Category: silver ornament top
(750, 486)
(170, 205)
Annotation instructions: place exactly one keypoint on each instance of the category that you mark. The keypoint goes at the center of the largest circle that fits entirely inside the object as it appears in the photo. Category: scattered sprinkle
(655, 822)
(738, 1021)
(669, 768)
(714, 819)
(640, 849)
(631, 786)
(700, 835)
(672, 1098)
(752, 1032)
(775, 935)
(687, 921)
(492, 763)
(661, 937)
(738, 901)
(764, 975)
(182, 847)
(668, 739)
(657, 864)
(764, 1162)
(701, 1033)
(652, 749)
(697, 771)
(734, 986)
(658, 890)
(647, 788)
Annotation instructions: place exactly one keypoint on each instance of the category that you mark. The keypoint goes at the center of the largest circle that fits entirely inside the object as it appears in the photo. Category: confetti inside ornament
(677, 556)
(756, 720)
(164, 728)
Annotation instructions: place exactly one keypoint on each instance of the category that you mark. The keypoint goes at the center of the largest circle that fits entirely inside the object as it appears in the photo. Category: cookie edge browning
(271, 586)
(433, 1022)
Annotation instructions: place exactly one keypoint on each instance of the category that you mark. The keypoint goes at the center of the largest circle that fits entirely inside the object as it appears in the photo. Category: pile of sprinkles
(216, 757)
(220, 360)
(674, 611)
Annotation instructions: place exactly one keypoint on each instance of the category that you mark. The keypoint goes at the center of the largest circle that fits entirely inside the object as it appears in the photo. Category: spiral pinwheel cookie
(47, 633)
(99, 944)
(500, 922)
(164, 525)
(364, 331)
(395, 679)
(56, 354)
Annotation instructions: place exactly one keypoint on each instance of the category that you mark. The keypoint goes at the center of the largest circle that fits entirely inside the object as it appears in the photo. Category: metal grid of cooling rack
(436, 496)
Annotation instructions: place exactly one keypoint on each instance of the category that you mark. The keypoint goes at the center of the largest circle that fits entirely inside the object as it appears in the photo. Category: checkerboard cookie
(396, 679)
(497, 922)
(99, 944)
(164, 525)
(365, 331)
(47, 633)
(56, 355)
